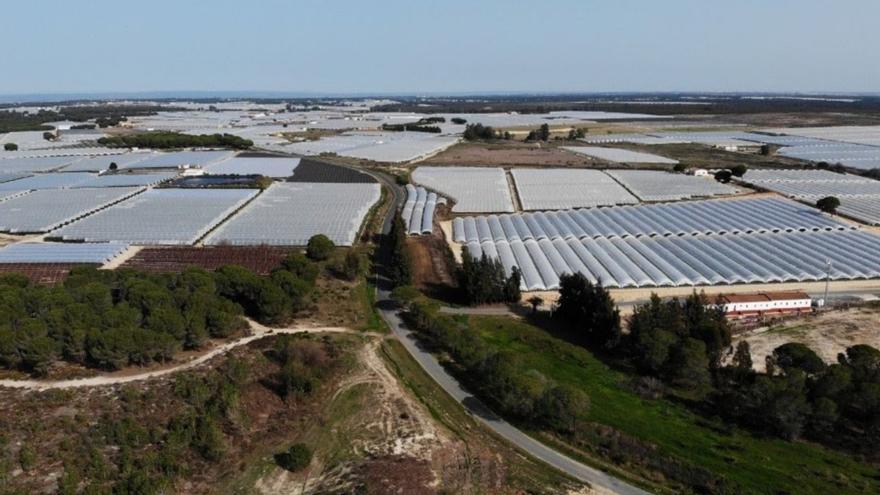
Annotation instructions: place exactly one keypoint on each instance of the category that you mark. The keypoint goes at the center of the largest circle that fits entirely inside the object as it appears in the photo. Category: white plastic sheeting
(46, 209)
(266, 166)
(564, 188)
(619, 155)
(40, 252)
(159, 216)
(474, 189)
(289, 213)
(655, 185)
(740, 216)
(690, 260)
(418, 210)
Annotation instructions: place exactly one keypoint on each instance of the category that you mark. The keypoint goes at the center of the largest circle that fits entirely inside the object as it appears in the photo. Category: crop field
(159, 216)
(310, 170)
(259, 259)
(474, 189)
(40, 273)
(47, 209)
(289, 213)
(676, 244)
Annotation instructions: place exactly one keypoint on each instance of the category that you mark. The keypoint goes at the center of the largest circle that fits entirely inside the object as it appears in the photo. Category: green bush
(319, 247)
(297, 457)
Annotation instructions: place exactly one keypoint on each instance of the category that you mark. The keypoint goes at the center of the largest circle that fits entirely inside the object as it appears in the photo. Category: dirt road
(259, 331)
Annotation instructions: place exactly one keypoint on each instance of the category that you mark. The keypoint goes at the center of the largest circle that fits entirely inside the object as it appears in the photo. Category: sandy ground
(827, 333)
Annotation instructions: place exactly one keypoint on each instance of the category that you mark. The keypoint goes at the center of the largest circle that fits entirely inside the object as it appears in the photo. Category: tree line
(109, 319)
(686, 343)
(496, 376)
(165, 140)
(483, 280)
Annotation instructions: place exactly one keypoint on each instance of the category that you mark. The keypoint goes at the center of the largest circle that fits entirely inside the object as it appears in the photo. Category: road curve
(473, 405)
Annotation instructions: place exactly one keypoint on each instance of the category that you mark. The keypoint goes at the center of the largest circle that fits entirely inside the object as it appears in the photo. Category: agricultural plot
(867, 135)
(474, 189)
(690, 260)
(47, 209)
(55, 180)
(630, 138)
(12, 176)
(377, 146)
(418, 210)
(558, 189)
(618, 155)
(289, 213)
(179, 159)
(851, 155)
(34, 164)
(694, 218)
(127, 180)
(859, 196)
(721, 139)
(259, 259)
(54, 252)
(276, 167)
(102, 163)
(4, 195)
(41, 273)
(159, 216)
(653, 185)
(310, 170)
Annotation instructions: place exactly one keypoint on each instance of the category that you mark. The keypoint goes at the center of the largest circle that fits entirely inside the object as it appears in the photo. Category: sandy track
(259, 331)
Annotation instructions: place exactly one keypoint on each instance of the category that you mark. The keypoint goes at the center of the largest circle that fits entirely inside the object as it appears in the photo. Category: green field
(754, 465)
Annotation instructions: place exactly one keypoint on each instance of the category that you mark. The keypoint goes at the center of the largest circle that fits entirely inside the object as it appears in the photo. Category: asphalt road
(436, 371)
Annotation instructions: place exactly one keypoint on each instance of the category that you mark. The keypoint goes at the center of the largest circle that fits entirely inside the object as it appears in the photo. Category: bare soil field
(828, 333)
(431, 271)
(509, 154)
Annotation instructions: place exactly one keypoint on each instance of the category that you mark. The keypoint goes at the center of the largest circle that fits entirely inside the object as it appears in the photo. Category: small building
(699, 172)
(765, 304)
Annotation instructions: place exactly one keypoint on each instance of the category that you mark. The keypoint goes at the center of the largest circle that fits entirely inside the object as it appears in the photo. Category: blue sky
(343, 46)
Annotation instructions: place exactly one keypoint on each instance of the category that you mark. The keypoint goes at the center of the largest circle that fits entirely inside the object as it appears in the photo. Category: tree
(723, 176)
(742, 357)
(544, 132)
(49, 136)
(768, 149)
(560, 407)
(10, 147)
(399, 269)
(297, 457)
(679, 168)
(828, 204)
(535, 302)
(797, 356)
(477, 131)
(739, 170)
(113, 166)
(588, 308)
(319, 247)
(458, 120)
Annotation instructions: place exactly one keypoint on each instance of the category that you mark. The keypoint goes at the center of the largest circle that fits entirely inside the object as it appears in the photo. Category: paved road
(430, 364)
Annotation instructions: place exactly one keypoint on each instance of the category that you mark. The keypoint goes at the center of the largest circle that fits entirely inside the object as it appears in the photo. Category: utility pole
(827, 280)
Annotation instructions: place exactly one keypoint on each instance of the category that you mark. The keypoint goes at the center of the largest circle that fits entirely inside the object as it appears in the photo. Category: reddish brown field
(40, 273)
(259, 259)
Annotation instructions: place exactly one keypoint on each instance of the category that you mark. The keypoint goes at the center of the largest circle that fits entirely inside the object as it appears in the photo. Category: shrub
(319, 247)
(297, 457)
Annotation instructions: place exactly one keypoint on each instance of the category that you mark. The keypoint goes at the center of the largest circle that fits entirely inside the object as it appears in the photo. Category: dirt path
(259, 331)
